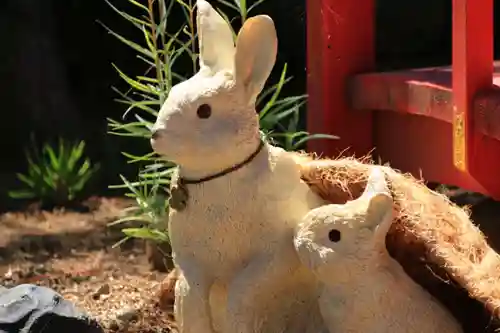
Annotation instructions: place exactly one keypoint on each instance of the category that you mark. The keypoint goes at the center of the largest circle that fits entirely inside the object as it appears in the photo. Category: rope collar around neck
(179, 194)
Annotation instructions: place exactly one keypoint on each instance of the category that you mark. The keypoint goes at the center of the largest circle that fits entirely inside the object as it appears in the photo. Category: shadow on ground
(39, 247)
(39, 235)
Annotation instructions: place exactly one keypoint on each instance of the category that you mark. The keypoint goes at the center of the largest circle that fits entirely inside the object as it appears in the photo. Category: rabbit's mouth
(153, 141)
(156, 134)
(156, 137)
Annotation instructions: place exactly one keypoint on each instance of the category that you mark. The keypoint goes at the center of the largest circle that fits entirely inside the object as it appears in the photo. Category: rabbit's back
(385, 304)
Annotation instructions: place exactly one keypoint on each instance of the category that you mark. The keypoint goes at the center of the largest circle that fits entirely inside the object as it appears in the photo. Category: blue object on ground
(28, 308)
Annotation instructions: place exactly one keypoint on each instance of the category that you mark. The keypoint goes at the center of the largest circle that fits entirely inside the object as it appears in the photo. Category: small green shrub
(55, 176)
(151, 210)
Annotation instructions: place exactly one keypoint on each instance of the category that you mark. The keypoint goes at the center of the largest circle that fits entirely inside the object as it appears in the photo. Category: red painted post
(472, 71)
(340, 43)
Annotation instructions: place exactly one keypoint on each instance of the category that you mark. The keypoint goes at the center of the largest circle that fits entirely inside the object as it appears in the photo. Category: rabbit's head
(209, 121)
(334, 240)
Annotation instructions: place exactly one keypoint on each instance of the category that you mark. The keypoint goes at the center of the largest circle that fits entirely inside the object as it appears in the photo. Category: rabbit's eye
(334, 235)
(204, 111)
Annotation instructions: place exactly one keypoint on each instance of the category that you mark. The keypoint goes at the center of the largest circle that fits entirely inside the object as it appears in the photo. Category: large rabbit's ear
(215, 39)
(256, 48)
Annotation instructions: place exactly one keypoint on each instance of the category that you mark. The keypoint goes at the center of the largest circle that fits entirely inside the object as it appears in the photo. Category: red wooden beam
(472, 71)
(426, 92)
(340, 43)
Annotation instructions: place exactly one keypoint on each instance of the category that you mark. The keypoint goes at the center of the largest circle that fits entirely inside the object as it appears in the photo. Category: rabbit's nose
(155, 135)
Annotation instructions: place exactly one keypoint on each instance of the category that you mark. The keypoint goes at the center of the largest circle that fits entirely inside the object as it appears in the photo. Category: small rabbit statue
(364, 289)
(236, 199)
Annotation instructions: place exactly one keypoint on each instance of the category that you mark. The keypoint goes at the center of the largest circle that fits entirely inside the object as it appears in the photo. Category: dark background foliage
(56, 73)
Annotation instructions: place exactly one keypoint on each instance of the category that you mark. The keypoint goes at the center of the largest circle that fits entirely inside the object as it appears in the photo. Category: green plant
(151, 210)
(161, 51)
(55, 176)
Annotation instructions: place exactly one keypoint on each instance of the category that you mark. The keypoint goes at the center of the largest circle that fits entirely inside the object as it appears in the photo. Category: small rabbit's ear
(379, 207)
(256, 49)
(215, 39)
(379, 200)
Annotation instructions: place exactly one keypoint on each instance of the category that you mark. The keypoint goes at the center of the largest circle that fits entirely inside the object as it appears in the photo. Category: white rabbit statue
(236, 200)
(364, 289)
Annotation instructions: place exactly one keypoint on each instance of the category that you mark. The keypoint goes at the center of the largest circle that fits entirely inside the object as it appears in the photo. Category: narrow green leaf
(135, 21)
(84, 168)
(185, 5)
(51, 180)
(276, 93)
(147, 61)
(76, 153)
(147, 38)
(133, 83)
(254, 5)
(141, 183)
(22, 194)
(26, 180)
(52, 156)
(146, 233)
(132, 135)
(129, 219)
(120, 242)
(133, 45)
(129, 185)
(230, 5)
(139, 5)
(156, 175)
(314, 137)
(142, 106)
(144, 122)
(148, 79)
(242, 8)
(270, 90)
(164, 13)
(135, 158)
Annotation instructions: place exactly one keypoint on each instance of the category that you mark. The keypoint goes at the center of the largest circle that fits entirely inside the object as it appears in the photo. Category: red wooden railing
(442, 123)
(338, 46)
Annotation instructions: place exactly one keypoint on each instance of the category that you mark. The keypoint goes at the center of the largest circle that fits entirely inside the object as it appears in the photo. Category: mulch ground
(73, 254)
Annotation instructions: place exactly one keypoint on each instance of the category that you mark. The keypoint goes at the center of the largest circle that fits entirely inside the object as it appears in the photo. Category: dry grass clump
(432, 238)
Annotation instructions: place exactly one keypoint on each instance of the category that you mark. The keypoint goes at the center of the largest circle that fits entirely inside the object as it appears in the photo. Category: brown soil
(72, 253)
